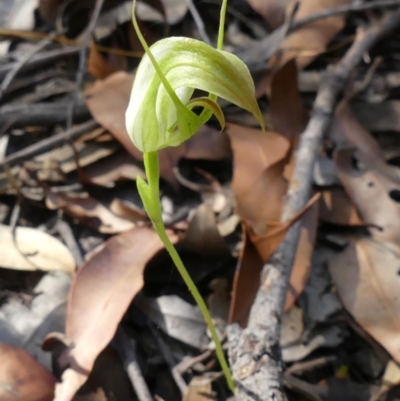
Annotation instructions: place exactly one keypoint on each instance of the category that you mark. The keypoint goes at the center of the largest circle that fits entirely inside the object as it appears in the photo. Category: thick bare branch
(255, 352)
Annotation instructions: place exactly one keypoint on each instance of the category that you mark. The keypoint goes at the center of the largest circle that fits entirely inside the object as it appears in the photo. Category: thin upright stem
(221, 31)
(154, 212)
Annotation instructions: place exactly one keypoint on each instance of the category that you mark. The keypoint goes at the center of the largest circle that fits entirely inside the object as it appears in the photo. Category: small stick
(40, 59)
(254, 352)
(20, 63)
(176, 374)
(83, 59)
(198, 21)
(126, 348)
(47, 144)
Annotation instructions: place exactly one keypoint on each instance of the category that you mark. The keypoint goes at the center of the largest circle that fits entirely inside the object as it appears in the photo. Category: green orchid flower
(162, 113)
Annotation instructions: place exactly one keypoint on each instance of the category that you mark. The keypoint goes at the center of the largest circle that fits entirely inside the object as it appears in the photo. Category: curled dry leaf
(31, 249)
(22, 378)
(366, 275)
(375, 194)
(100, 294)
(306, 43)
(88, 211)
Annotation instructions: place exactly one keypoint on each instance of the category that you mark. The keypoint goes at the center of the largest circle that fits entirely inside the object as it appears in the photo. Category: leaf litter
(222, 195)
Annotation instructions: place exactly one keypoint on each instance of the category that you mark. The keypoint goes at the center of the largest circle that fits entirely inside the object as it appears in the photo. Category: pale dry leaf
(22, 377)
(330, 336)
(306, 43)
(366, 275)
(177, 318)
(373, 192)
(100, 295)
(32, 249)
(337, 208)
(88, 211)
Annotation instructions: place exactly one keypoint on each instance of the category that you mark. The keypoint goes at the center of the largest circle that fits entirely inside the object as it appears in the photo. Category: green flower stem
(153, 207)
(221, 30)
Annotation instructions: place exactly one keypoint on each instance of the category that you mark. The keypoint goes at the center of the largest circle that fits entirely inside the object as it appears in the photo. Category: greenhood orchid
(161, 114)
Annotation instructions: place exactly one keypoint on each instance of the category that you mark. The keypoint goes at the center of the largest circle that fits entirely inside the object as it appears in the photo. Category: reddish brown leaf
(23, 378)
(257, 176)
(100, 294)
(98, 66)
(111, 114)
(287, 112)
(366, 277)
(88, 211)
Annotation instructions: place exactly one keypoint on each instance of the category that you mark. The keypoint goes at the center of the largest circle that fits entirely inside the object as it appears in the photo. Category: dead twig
(126, 348)
(169, 359)
(198, 21)
(40, 59)
(42, 114)
(254, 352)
(47, 144)
(20, 63)
(83, 60)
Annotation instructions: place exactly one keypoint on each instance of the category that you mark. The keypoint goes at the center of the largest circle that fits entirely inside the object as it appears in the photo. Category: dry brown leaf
(375, 195)
(88, 211)
(257, 176)
(202, 236)
(111, 114)
(98, 66)
(366, 276)
(306, 43)
(273, 11)
(100, 294)
(337, 208)
(258, 249)
(287, 112)
(32, 249)
(208, 144)
(23, 378)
